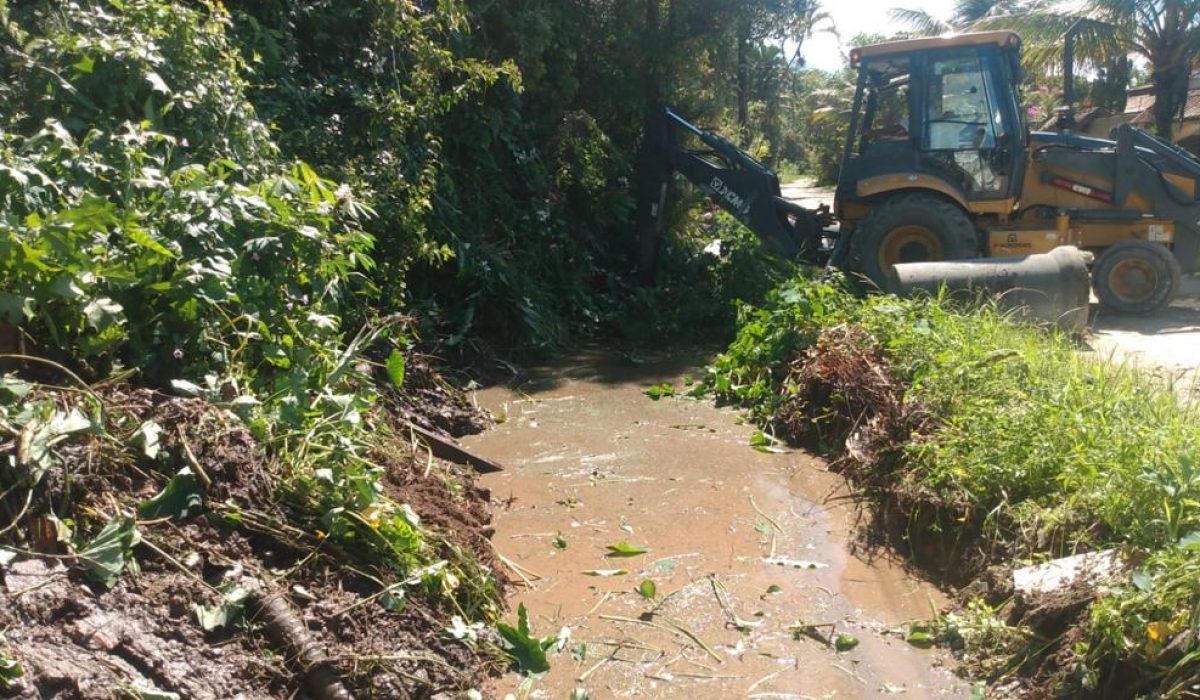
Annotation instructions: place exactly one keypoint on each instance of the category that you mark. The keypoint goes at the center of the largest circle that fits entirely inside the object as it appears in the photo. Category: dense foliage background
(152, 151)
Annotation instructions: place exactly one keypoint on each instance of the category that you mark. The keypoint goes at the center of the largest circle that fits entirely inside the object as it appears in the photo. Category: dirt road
(1167, 342)
(745, 548)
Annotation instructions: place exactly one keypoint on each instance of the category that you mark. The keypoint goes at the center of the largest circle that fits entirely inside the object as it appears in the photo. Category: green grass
(1037, 450)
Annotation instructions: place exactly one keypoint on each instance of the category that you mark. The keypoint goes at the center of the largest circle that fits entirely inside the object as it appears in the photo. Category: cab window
(964, 123)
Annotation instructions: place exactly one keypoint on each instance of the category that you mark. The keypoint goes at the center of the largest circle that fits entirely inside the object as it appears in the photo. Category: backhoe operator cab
(935, 136)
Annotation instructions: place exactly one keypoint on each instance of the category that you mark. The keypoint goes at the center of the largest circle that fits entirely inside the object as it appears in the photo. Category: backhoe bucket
(1051, 287)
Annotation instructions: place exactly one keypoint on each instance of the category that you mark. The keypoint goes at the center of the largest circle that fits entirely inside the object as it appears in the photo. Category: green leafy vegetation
(528, 652)
(10, 670)
(624, 549)
(153, 230)
(1008, 445)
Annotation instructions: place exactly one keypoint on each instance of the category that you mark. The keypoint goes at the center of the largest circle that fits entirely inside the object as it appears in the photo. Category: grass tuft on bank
(1005, 445)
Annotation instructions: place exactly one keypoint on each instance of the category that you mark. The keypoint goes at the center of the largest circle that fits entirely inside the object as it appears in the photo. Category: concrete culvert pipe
(1051, 287)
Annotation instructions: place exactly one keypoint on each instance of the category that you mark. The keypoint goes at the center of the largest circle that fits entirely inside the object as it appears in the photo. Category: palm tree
(965, 14)
(1166, 33)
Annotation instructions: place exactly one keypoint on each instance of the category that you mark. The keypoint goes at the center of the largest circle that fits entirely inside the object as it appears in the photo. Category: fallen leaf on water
(606, 572)
(624, 549)
(845, 642)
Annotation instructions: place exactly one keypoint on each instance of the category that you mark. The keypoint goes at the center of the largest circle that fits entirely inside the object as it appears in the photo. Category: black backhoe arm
(745, 188)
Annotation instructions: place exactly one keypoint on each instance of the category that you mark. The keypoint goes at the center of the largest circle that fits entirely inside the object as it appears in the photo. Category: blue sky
(861, 16)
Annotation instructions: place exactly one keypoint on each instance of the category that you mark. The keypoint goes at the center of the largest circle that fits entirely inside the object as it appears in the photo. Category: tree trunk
(743, 84)
(652, 168)
(1171, 66)
(1170, 82)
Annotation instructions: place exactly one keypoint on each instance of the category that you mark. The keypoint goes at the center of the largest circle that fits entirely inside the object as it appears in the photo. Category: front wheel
(1136, 277)
(910, 228)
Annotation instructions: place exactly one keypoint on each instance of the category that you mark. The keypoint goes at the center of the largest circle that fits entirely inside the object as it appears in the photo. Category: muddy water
(736, 538)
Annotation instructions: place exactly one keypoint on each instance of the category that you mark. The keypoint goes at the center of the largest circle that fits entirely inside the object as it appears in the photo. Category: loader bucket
(1051, 287)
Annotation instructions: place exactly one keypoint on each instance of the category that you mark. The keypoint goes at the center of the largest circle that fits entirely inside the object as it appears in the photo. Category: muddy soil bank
(169, 626)
(745, 548)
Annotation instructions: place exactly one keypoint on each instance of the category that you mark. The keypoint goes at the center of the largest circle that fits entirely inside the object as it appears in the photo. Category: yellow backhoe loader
(940, 165)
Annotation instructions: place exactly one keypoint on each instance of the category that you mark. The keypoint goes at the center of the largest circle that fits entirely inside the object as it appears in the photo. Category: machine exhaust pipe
(1051, 287)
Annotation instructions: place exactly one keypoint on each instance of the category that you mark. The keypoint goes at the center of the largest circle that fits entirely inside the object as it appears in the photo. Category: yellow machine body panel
(1081, 234)
(895, 182)
(1038, 191)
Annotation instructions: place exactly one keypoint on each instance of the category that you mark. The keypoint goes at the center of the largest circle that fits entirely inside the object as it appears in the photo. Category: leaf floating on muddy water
(606, 572)
(624, 549)
(658, 391)
(527, 652)
(764, 443)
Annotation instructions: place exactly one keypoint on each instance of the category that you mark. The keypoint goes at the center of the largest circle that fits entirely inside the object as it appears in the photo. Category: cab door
(969, 131)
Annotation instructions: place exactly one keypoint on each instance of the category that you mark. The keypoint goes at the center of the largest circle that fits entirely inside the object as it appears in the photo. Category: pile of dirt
(311, 623)
(429, 400)
(1037, 653)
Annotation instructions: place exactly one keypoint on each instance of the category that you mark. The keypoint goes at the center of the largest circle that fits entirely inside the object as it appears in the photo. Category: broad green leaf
(624, 549)
(84, 65)
(111, 551)
(528, 653)
(147, 437)
(231, 609)
(13, 389)
(764, 443)
(920, 639)
(647, 589)
(64, 286)
(41, 435)
(147, 241)
(103, 312)
(180, 496)
(395, 368)
(15, 308)
(659, 391)
(10, 670)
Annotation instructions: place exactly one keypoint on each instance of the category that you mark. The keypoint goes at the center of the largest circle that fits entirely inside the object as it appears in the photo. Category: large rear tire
(910, 228)
(1136, 277)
